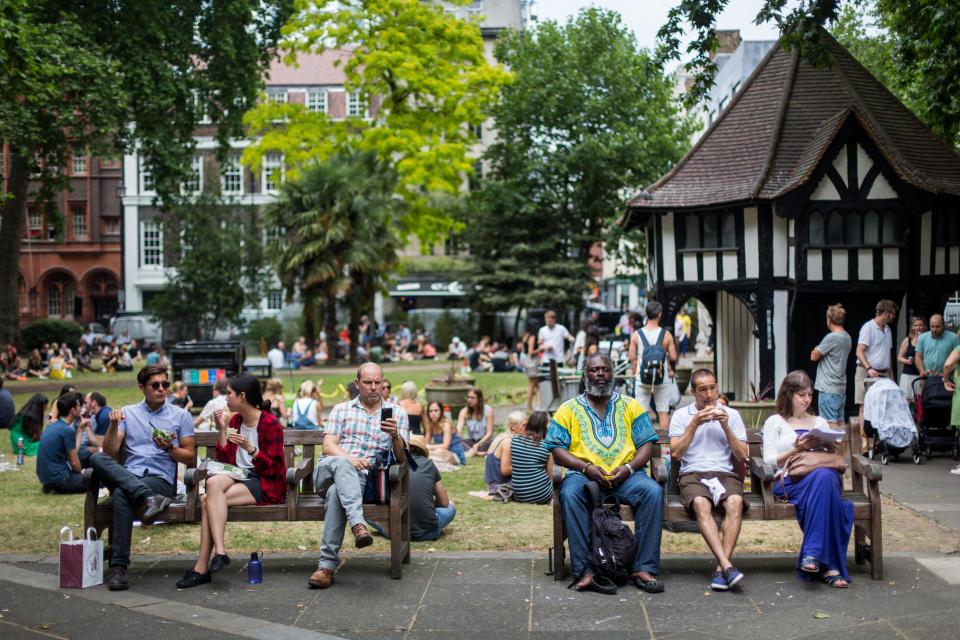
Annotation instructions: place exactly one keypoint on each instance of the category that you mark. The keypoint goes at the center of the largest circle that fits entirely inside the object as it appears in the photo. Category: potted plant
(450, 389)
(758, 408)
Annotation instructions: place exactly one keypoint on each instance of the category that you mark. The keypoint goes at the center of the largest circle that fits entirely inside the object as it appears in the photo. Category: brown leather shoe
(321, 578)
(361, 535)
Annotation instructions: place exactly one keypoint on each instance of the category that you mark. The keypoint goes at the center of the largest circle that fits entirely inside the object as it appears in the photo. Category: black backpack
(653, 360)
(612, 543)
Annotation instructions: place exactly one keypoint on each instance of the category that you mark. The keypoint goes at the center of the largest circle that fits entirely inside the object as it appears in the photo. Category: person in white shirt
(552, 339)
(874, 346)
(218, 402)
(705, 435)
(278, 356)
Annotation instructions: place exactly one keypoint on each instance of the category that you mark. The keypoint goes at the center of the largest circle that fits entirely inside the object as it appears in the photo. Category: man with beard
(606, 437)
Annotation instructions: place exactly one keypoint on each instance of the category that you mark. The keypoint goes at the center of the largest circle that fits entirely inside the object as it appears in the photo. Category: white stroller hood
(885, 406)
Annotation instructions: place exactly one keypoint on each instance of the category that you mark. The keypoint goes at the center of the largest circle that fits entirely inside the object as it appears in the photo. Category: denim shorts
(831, 406)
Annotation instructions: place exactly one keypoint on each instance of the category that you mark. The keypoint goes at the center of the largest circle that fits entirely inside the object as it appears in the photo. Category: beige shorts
(660, 394)
(691, 488)
(859, 383)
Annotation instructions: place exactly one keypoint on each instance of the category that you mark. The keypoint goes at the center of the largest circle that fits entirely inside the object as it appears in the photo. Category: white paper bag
(81, 560)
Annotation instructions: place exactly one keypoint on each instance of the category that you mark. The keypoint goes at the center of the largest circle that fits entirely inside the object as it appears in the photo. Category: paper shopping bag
(81, 561)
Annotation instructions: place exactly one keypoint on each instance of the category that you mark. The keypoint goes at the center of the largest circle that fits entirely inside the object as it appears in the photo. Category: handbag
(81, 560)
(799, 465)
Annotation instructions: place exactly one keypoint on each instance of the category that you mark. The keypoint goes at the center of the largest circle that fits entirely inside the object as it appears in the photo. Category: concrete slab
(945, 568)
(928, 487)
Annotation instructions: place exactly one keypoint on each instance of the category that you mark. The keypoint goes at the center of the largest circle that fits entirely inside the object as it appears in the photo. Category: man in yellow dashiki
(607, 437)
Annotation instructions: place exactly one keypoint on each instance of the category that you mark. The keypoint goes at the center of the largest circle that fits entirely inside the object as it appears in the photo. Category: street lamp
(121, 190)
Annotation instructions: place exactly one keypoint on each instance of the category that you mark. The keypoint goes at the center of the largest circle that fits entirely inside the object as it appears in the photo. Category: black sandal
(648, 586)
(598, 584)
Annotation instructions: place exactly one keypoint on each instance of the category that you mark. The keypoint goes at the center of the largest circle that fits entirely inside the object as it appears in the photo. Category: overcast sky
(645, 17)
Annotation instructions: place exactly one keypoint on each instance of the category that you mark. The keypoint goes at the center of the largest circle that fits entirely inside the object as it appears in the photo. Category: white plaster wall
(751, 243)
(669, 248)
(738, 351)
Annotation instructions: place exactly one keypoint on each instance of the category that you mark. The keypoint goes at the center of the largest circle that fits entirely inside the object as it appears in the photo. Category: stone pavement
(480, 595)
(927, 488)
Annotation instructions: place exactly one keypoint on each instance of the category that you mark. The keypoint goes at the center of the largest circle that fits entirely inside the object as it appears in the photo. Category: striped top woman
(529, 462)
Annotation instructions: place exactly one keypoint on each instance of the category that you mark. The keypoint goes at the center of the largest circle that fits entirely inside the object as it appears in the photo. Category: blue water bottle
(255, 568)
(20, 450)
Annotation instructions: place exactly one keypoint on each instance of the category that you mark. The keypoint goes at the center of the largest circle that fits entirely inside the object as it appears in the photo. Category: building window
(151, 242)
(478, 131)
(53, 302)
(273, 175)
(111, 225)
(317, 101)
(947, 229)
(274, 299)
(475, 7)
(34, 224)
(840, 228)
(79, 165)
(78, 220)
(355, 106)
(194, 181)
(278, 96)
(709, 231)
(232, 182)
(61, 296)
(147, 184)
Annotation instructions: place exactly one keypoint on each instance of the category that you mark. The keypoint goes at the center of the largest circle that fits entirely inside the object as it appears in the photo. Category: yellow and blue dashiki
(606, 442)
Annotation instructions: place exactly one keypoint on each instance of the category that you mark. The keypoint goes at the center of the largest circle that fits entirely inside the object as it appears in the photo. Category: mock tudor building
(813, 186)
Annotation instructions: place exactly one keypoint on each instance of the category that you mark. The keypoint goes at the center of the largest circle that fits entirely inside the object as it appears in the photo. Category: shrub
(45, 331)
(269, 329)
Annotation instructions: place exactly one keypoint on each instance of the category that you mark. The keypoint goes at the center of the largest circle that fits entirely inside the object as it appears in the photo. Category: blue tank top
(491, 469)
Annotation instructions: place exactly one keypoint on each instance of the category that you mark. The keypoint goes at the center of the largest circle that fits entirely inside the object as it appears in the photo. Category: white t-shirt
(709, 449)
(276, 358)
(244, 459)
(554, 339)
(879, 342)
(307, 406)
(220, 402)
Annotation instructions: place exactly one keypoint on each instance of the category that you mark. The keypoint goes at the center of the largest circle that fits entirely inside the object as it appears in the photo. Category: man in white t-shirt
(217, 403)
(278, 356)
(653, 333)
(552, 339)
(704, 436)
(874, 347)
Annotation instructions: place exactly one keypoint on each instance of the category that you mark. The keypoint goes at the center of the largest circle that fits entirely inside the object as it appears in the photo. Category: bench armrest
(760, 469)
(303, 469)
(193, 476)
(658, 471)
(870, 470)
(557, 477)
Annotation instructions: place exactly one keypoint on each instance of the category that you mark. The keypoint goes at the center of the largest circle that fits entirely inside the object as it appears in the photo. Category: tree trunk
(309, 319)
(330, 326)
(354, 330)
(13, 213)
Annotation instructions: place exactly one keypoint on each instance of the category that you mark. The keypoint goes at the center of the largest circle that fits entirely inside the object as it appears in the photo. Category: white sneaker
(956, 470)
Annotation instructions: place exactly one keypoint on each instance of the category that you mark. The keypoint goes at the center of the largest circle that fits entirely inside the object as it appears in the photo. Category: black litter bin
(200, 364)
(260, 367)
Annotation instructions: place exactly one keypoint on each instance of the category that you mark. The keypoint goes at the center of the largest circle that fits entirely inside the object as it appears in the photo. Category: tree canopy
(588, 116)
(423, 70)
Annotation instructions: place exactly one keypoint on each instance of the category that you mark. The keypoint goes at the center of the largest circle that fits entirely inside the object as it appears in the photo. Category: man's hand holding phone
(387, 422)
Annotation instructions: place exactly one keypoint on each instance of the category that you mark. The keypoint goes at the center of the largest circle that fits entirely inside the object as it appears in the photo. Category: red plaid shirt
(268, 462)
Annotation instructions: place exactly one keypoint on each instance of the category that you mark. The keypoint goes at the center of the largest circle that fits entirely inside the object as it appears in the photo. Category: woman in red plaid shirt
(254, 442)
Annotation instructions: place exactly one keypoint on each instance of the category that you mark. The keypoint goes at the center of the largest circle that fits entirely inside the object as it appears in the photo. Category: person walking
(874, 346)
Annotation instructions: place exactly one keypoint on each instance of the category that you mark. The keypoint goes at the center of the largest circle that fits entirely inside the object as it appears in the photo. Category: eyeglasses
(156, 385)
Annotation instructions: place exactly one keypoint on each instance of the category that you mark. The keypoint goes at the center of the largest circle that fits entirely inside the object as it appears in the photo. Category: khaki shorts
(859, 383)
(660, 394)
(691, 488)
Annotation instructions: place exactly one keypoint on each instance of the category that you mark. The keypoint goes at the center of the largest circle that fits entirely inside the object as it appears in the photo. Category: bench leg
(559, 535)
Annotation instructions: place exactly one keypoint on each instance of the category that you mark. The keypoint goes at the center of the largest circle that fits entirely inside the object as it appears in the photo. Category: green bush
(42, 332)
(267, 328)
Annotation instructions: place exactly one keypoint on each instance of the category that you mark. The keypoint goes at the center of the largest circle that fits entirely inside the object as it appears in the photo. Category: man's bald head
(936, 325)
(369, 380)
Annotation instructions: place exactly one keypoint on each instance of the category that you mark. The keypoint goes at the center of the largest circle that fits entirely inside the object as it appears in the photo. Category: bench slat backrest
(754, 444)
(311, 441)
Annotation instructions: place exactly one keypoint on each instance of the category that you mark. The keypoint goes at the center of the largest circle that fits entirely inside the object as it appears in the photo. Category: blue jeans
(831, 406)
(445, 515)
(640, 492)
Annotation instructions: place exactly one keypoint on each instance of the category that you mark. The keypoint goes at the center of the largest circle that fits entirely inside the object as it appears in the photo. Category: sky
(644, 17)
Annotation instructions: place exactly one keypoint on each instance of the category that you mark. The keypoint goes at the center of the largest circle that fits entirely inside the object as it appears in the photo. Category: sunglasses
(156, 385)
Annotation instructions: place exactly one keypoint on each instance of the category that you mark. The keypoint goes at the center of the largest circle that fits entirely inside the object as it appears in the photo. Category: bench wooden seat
(302, 504)
(865, 495)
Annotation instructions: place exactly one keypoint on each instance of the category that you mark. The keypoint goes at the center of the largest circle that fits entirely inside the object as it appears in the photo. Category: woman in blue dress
(440, 434)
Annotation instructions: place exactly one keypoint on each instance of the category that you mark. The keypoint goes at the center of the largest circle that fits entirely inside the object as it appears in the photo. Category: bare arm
(632, 349)
(815, 355)
(902, 354)
(506, 459)
(671, 346)
(948, 368)
(74, 460)
(440, 497)
(862, 356)
(113, 439)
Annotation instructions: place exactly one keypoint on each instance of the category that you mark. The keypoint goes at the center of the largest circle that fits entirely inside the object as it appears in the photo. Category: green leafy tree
(587, 116)
(338, 234)
(916, 51)
(96, 76)
(219, 269)
(425, 74)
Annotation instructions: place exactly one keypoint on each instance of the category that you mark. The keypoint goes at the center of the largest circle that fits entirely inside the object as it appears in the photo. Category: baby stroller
(933, 417)
(886, 413)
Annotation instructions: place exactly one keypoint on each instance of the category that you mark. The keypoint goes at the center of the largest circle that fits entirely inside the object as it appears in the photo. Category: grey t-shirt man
(832, 367)
(423, 510)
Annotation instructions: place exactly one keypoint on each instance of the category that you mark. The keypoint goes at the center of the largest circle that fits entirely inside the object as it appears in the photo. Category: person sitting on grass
(54, 413)
(124, 362)
(58, 466)
(493, 472)
(307, 407)
(254, 442)
(273, 394)
(28, 424)
(83, 358)
(478, 420)
(441, 437)
(36, 367)
(93, 428)
(528, 462)
(179, 396)
(408, 400)
(431, 509)
(10, 366)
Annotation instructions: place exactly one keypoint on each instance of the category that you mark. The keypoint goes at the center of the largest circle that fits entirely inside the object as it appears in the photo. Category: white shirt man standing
(874, 346)
(551, 339)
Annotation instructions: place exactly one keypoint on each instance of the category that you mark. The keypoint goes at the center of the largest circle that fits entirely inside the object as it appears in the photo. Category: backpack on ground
(612, 543)
(653, 360)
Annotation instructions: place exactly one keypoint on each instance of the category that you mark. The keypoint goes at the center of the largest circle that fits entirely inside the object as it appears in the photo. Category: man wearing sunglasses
(146, 481)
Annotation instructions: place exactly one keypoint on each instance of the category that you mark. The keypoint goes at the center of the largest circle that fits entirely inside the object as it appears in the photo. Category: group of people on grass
(56, 361)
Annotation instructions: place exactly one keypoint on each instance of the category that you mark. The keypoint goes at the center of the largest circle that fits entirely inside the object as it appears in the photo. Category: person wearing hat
(430, 508)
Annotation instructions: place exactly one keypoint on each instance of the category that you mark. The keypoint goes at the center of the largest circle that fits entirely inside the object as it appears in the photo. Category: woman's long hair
(478, 410)
(33, 414)
(249, 386)
(537, 426)
(430, 428)
(795, 381)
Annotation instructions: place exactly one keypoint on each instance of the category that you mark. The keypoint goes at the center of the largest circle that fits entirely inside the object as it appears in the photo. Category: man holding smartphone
(704, 435)
(355, 432)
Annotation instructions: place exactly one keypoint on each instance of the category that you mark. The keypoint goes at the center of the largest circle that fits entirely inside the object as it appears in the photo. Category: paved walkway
(928, 487)
(479, 595)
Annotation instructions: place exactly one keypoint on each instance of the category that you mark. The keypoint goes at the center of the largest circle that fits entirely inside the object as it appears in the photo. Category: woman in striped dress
(528, 462)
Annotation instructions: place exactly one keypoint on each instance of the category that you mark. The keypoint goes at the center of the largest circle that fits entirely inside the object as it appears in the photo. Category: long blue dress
(825, 518)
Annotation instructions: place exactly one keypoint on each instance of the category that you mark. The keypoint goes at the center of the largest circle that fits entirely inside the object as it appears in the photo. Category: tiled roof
(777, 127)
(311, 69)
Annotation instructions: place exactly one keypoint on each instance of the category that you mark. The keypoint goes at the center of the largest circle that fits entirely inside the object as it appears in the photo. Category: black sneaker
(192, 579)
(220, 561)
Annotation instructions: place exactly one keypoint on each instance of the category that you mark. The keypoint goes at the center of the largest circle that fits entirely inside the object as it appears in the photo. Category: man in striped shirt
(607, 437)
(355, 432)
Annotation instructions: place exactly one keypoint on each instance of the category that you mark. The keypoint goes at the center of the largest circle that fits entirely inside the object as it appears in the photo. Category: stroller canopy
(885, 406)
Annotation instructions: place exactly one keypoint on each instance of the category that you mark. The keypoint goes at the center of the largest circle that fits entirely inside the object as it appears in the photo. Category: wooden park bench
(865, 495)
(302, 504)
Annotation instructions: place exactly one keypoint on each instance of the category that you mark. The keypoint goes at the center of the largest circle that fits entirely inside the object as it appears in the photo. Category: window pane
(953, 229)
(79, 224)
(729, 230)
(816, 229)
(871, 228)
(53, 300)
(710, 231)
(835, 228)
(692, 225)
(854, 232)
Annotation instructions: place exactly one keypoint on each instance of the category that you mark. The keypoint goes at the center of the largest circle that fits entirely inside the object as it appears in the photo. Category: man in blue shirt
(93, 428)
(146, 481)
(934, 347)
(58, 467)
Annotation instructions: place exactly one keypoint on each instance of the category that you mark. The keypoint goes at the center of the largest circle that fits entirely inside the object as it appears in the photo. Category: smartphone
(386, 413)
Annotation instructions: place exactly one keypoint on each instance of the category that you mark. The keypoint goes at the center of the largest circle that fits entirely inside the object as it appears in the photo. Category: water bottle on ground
(20, 450)
(255, 568)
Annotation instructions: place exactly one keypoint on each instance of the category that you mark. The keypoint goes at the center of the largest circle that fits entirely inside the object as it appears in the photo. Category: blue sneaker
(719, 583)
(732, 576)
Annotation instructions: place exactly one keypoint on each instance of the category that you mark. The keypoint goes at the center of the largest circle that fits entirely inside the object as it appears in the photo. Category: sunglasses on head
(156, 385)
